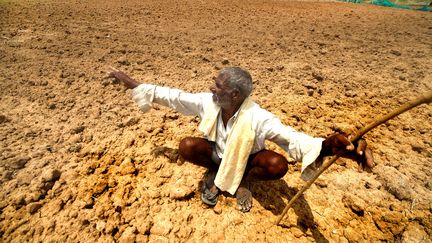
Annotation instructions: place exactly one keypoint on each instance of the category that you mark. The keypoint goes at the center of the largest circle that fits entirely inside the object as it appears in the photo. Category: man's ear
(235, 95)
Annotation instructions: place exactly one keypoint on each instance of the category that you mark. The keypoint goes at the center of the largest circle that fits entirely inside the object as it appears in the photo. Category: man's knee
(269, 165)
(277, 166)
(191, 147)
(186, 147)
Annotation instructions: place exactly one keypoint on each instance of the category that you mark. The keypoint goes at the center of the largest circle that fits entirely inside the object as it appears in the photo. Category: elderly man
(235, 129)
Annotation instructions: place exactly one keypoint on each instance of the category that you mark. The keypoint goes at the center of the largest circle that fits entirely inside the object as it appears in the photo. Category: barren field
(79, 162)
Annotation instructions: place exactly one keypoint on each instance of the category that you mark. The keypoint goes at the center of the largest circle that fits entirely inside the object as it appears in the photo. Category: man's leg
(199, 152)
(264, 165)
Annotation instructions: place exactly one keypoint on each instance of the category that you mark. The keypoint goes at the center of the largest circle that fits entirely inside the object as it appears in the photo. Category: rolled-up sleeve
(299, 146)
(186, 103)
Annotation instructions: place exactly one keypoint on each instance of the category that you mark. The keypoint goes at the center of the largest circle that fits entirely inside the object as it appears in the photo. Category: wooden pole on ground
(425, 98)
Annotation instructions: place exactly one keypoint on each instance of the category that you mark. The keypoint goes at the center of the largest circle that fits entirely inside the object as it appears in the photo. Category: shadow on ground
(270, 195)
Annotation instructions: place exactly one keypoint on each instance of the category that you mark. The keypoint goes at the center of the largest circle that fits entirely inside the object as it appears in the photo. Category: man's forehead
(221, 77)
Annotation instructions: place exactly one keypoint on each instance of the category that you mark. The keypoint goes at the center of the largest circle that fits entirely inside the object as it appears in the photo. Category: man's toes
(247, 206)
(244, 203)
(240, 207)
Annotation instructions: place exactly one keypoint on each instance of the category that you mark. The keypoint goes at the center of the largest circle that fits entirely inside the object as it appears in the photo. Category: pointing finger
(369, 158)
(361, 166)
(361, 146)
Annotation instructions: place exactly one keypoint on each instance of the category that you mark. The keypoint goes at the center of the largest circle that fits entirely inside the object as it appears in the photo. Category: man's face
(221, 91)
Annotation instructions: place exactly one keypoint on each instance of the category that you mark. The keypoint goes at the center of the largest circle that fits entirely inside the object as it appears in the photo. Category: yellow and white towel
(238, 147)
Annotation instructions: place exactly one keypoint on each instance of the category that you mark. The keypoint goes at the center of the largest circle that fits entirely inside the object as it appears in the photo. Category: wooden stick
(425, 98)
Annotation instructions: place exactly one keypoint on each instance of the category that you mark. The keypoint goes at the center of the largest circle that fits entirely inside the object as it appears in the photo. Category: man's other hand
(340, 144)
(122, 77)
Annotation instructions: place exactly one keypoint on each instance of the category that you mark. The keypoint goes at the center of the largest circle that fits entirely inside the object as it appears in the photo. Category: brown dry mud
(80, 162)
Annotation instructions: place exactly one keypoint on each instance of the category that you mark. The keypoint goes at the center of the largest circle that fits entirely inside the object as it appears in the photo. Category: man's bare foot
(209, 192)
(244, 197)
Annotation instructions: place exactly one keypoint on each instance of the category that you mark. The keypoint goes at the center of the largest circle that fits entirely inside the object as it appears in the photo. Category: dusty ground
(80, 162)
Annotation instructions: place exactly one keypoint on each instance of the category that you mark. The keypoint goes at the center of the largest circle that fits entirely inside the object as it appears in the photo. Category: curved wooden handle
(425, 98)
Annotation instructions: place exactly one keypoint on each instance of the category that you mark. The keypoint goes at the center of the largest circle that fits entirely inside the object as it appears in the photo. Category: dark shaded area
(270, 195)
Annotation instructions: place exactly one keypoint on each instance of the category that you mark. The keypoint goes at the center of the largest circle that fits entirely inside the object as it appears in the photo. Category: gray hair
(239, 79)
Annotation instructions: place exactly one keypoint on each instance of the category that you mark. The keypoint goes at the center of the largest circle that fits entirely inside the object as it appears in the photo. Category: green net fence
(387, 3)
(353, 1)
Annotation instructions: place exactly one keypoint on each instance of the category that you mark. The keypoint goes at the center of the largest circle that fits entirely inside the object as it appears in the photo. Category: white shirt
(267, 126)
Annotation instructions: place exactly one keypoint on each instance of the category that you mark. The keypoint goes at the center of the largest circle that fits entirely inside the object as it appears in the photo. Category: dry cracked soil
(80, 163)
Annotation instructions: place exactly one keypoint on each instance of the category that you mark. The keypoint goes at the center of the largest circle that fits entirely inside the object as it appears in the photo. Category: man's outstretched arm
(146, 94)
(311, 150)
